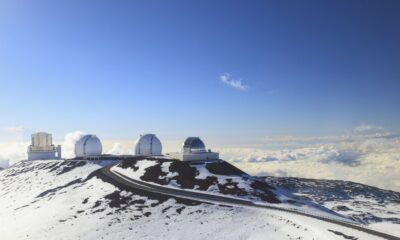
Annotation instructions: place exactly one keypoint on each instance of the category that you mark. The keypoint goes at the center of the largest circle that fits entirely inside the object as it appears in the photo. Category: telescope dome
(88, 145)
(194, 144)
(148, 145)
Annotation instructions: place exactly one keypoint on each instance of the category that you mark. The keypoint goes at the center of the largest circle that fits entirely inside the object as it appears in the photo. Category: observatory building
(88, 146)
(194, 150)
(42, 147)
(148, 145)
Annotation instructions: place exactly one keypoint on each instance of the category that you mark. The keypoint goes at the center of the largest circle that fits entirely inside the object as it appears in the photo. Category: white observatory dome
(88, 145)
(148, 145)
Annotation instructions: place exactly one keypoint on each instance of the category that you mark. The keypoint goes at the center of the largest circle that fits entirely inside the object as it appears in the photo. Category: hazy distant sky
(208, 68)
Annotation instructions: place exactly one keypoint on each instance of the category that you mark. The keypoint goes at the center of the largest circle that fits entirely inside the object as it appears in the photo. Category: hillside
(72, 200)
(216, 177)
(376, 207)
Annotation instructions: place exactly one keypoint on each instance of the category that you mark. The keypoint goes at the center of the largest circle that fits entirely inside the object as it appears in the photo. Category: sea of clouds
(369, 159)
(367, 155)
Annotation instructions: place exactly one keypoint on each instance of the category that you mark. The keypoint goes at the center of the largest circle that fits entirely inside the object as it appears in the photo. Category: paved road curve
(135, 184)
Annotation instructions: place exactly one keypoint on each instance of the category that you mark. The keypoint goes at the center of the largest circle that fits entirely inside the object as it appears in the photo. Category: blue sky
(211, 68)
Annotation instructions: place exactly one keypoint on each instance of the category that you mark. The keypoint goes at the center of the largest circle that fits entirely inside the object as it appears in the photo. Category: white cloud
(12, 153)
(68, 147)
(237, 84)
(368, 128)
(368, 160)
(118, 149)
(18, 132)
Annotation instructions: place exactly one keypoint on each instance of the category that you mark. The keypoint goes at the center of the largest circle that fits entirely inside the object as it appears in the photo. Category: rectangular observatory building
(194, 149)
(42, 147)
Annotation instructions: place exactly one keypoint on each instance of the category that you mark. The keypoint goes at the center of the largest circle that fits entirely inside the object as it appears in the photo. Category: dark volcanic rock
(224, 168)
(219, 176)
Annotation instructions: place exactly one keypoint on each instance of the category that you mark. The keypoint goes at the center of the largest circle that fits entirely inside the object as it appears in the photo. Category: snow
(165, 168)
(38, 201)
(386, 227)
(378, 208)
(141, 165)
(203, 173)
(242, 182)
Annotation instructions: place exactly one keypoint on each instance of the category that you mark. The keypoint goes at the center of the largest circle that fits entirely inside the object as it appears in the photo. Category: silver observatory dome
(88, 145)
(194, 144)
(148, 145)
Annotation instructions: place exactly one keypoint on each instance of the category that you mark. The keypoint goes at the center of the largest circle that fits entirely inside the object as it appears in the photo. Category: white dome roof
(148, 145)
(88, 145)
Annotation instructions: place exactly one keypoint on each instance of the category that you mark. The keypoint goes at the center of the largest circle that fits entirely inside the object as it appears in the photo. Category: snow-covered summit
(72, 200)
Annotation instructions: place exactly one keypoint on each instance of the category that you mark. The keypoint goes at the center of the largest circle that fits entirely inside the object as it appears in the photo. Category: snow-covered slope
(378, 208)
(71, 200)
(215, 177)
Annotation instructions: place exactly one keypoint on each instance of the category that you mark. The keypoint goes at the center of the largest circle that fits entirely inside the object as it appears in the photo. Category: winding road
(135, 184)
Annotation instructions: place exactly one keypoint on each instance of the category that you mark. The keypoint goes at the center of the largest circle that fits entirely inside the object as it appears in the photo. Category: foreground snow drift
(70, 200)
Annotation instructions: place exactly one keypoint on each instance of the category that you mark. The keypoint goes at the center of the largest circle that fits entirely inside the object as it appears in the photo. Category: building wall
(42, 155)
(194, 156)
(41, 142)
(200, 156)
